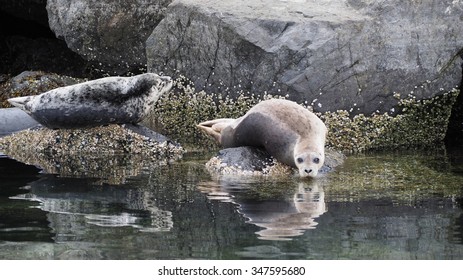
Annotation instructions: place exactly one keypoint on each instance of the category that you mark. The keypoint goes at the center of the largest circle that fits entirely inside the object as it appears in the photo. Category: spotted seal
(286, 130)
(97, 102)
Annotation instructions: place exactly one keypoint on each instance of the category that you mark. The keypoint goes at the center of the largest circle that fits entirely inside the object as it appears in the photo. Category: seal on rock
(286, 130)
(98, 102)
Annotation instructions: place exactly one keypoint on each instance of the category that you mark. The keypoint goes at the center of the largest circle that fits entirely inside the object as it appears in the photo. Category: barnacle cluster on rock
(104, 140)
(216, 166)
(416, 122)
(419, 122)
(93, 152)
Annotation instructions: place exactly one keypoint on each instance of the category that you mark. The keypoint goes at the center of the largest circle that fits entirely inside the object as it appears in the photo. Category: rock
(111, 33)
(27, 43)
(153, 135)
(254, 161)
(334, 54)
(13, 120)
(246, 158)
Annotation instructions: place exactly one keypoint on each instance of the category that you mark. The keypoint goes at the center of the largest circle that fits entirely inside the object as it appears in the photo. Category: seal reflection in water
(98, 102)
(286, 130)
(277, 218)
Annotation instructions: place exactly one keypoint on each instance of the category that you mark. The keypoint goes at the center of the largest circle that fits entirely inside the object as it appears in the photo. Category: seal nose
(308, 171)
(166, 82)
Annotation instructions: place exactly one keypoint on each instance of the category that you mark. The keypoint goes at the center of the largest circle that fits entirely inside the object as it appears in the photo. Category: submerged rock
(255, 161)
(334, 54)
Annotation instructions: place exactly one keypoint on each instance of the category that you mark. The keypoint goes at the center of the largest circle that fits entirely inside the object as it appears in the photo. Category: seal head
(309, 162)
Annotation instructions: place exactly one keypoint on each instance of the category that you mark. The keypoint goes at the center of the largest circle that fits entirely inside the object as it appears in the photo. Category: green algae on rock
(419, 123)
(178, 112)
(415, 123)
(406, 176)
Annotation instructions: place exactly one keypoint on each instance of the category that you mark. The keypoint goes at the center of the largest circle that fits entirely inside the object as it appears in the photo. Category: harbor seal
(98, 102)
(287, 131)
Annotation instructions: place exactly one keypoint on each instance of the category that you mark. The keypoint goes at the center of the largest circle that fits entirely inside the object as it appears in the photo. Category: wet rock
(94, 152)
(153, 135)
(333, 54)
(246, 158)
(110, 33)
(255, 161)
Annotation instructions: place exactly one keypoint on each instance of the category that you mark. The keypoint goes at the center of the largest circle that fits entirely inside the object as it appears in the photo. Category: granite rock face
(111, 34)
(334, 54)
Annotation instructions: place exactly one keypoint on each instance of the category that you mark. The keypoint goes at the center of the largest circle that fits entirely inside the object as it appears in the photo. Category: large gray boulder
(334, 54)
(111, 34)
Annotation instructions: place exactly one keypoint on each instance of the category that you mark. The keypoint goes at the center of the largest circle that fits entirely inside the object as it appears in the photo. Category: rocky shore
(380, 75)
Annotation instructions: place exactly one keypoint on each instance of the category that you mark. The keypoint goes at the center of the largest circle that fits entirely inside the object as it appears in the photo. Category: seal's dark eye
(300, 160)
(316, 160)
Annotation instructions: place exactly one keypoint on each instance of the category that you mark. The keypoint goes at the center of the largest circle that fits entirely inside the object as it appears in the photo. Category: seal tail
(214, 128)
(19, 102)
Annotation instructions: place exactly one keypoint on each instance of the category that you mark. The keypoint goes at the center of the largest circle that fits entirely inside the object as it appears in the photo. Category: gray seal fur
(97, 102)
(286, 130)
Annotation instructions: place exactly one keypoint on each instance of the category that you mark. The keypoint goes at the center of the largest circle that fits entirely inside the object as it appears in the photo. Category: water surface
(389, 205)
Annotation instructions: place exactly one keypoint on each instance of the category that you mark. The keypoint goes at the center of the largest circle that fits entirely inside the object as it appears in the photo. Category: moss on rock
(419, 123)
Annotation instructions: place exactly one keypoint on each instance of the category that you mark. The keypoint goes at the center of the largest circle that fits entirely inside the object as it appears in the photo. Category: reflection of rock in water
(114, 169)
(280, 218)
(72, 204)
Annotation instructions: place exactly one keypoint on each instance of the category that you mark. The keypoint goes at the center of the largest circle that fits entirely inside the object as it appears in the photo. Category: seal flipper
(214, 128)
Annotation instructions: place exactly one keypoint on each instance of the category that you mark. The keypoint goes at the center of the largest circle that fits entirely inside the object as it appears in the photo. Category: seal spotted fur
(287, 131)
(98, 102)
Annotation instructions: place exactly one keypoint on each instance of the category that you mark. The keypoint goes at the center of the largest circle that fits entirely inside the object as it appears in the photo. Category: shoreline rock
(107, 33)
(333, 54)
(90, 152)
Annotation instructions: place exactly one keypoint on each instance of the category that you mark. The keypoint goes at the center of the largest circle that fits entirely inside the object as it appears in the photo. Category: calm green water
(395, 205)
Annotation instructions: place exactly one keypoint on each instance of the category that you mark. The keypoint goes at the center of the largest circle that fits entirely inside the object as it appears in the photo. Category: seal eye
(300, 160)
(316, 160)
